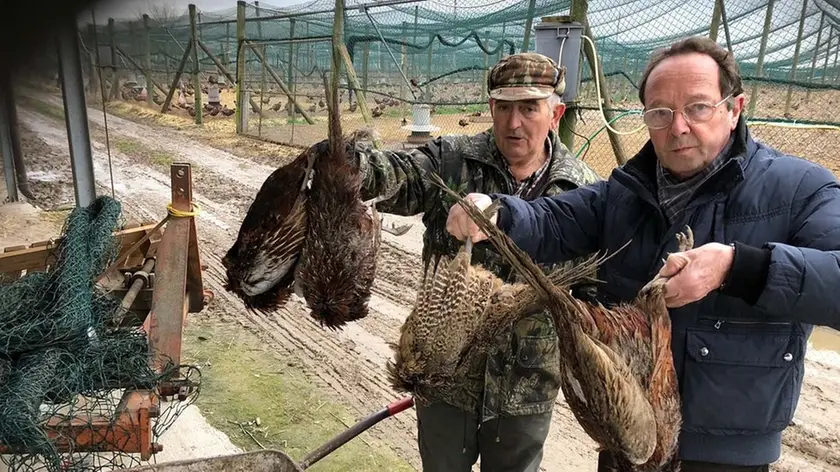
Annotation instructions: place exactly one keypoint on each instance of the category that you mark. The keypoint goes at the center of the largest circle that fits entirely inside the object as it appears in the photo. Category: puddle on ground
(825, 339)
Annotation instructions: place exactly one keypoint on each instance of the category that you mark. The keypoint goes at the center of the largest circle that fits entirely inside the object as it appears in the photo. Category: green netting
(64, 357)
(787, 48)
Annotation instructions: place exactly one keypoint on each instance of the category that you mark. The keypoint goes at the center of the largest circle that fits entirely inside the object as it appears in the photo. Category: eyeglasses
(699, 112)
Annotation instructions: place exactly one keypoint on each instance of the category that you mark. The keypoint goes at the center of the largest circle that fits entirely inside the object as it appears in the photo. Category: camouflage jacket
(521, 378)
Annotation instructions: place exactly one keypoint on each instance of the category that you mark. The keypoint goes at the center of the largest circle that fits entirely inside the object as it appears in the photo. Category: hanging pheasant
(261, 263)
(338, 265)
(617, 369)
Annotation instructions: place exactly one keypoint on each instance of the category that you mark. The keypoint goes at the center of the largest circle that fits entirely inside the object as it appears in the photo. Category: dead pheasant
(617, 369)
(261, 263)
(337, 267)
(441, 345)
(458, 312)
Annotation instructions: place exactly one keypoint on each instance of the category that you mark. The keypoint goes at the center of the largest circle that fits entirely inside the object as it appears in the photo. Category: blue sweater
(739, 353)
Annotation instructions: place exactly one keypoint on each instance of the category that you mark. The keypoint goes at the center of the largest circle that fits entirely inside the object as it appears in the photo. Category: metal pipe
(6, 149)
(140, 281)
(75, 113)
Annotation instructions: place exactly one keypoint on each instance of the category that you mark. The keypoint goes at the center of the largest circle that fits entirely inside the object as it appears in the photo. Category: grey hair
(552, 101)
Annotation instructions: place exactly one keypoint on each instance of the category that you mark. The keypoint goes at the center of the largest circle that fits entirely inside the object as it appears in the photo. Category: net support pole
(615, 140)
(75, 114)
(715, 26)
(354, 83)
(150, 89)
(259, 108)
(240, 64)
(365, 65)
(796, 51)
(814, 57)
(196, 73)
(227, 45)
(115, 72)
(831, 36)
(259, 22)
(529, 22)
(568, 122)
(428, 91)
(289, 62)
(725, 22)
(761, 51)
(176, 79)
(93, 83)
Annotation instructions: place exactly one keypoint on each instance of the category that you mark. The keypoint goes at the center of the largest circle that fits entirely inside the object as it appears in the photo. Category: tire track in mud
(349, 364)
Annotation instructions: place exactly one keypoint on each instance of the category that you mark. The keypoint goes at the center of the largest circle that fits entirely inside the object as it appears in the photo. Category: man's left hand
(695, 273)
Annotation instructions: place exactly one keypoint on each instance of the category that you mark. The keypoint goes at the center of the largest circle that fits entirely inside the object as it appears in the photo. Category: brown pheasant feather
(261, 263)
(459, 312)
(617, 369)
(441, 340)
(338, 263)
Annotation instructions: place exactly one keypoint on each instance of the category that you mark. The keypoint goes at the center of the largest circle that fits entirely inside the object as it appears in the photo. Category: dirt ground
(348, 366)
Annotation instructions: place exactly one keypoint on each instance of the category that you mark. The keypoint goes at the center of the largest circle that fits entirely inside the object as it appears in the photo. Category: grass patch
(41, 107)
(396, 112)
(126, 146)
(137, 149)
(244, 380)
(163, 158)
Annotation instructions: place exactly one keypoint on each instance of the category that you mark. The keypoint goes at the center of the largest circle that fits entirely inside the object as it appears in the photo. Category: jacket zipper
(720, 323)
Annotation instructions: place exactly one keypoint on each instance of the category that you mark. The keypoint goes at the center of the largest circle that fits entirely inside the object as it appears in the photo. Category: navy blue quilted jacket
(739, 353)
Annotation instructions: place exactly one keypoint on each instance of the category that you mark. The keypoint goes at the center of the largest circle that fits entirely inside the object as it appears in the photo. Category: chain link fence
(422, 65)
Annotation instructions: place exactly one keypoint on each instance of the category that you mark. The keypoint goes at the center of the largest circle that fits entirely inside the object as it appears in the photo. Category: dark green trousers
(451, 440)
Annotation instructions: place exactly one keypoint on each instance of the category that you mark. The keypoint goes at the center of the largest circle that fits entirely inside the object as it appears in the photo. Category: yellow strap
(183, 214)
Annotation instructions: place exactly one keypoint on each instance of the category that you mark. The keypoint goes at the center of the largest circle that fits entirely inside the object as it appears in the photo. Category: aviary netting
(64, 356)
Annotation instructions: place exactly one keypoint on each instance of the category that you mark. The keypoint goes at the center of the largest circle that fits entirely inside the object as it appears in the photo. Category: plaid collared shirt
(532, 183)
(674, 194)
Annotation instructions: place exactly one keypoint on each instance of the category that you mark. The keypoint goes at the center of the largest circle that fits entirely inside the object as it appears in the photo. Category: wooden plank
(15, 274)
(39, 253)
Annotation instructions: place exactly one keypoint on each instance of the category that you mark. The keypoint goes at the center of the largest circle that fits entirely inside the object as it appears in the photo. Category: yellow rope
(183, 214)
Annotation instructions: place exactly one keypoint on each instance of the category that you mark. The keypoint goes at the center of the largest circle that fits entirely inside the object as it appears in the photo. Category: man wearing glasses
(764, 271)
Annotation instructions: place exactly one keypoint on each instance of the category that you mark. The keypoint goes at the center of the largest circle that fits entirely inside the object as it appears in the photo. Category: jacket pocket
(536, 352)
(534, 380)
(740, 382)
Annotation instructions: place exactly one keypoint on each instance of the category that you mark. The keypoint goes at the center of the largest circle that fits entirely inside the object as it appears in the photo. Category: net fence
(437, 53)
(74, 377)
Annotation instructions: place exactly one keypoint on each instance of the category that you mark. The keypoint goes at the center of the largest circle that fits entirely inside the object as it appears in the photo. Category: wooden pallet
(16, 261)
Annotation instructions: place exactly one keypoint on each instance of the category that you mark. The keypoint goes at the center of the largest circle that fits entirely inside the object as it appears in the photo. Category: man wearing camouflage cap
(506, 416)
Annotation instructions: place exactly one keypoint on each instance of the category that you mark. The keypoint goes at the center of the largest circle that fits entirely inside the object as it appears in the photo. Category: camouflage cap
(526, 76)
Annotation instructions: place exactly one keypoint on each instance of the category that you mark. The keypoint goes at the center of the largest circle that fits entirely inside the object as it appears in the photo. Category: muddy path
(349, 365)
